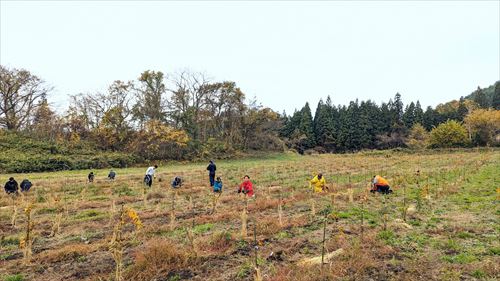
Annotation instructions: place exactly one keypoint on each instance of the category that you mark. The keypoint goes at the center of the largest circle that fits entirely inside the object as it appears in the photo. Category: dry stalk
(172, 212)
(244, 217)
(117, 243)
(280, 210)
(14, 211)
(26, 242)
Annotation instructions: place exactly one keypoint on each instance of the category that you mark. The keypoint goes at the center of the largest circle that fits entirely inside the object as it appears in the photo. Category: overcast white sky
(284, 53)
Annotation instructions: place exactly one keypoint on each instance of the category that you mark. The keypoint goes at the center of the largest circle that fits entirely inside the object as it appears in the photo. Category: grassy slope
(19, 153)
(453, 235)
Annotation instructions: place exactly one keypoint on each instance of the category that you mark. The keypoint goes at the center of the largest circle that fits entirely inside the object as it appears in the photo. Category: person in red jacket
(246, 186)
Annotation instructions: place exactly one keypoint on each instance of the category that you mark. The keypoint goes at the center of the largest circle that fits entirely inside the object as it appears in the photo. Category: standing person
(318, 183)
(246, 186)
(211, 172)
(90, 177)
(11, 186)
(379, 184)
(150, 174)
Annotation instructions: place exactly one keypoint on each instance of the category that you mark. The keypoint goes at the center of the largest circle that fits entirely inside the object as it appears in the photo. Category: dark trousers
(384, 189)
(148, 180)
(212, 179)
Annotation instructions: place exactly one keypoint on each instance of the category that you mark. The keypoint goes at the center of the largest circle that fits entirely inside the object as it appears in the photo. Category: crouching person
(379, 184)
(11, 186)
(318, 183)
(246, 187)
(218, 185)
(25, 185)
(177, 182)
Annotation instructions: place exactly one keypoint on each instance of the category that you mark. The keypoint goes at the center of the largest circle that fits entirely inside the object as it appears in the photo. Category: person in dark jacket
(111, 175)
(25, 185)
(211, 172)
(177, 182)
(90, 177)
(11, 186)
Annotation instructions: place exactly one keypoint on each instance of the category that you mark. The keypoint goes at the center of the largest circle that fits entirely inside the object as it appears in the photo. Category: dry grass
(463, 212)
(66, 253)
(159, 257)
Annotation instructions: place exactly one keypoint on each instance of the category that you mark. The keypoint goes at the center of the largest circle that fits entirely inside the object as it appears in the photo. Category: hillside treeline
(186, 116)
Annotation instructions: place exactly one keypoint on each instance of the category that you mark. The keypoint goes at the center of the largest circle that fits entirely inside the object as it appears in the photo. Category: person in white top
(150, 173)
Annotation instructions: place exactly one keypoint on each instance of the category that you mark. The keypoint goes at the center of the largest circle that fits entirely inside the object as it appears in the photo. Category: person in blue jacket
(211, 172)
(218, 185)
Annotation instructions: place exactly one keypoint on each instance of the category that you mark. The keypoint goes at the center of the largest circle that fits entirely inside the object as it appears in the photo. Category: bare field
(440, 223)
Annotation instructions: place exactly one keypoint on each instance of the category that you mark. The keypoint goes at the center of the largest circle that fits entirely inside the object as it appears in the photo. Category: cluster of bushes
(21, 153)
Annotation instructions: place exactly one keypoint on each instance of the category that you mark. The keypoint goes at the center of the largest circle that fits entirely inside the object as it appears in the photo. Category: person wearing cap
(318, 183)
(211, 172)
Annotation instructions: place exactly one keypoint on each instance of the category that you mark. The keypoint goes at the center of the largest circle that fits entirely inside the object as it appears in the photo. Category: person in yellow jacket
(379, 184)
(318, 183)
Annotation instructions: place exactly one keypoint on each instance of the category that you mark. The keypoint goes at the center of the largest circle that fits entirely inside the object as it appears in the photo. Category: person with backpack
(11, 186)
(25, 185)
(90, 177)
(379, 184)
(218, 185)
(246, 187)
(211, 172)
(111, 175)
(318, 183)
(177, 182)
(150, 173)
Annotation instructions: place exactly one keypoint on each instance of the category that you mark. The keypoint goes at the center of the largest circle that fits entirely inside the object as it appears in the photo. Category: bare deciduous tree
(20, 93)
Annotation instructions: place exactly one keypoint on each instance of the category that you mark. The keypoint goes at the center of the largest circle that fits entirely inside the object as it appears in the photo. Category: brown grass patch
(66, 253)
(159, 257)
(217, 243)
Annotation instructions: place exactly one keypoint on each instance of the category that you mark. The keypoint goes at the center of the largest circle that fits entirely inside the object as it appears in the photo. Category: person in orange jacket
(379, 184)
(246, 186)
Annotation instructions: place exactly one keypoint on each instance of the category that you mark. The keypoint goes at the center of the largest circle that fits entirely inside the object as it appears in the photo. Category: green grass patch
(203, 228)
(387, 236)
(15, 277)
(89, 215)
(462, 258)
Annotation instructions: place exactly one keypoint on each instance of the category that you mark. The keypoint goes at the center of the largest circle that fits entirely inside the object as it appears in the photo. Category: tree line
(366, 125)
(186, 115)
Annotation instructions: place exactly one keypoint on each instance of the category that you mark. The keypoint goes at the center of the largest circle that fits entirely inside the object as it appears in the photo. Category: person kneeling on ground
(90, 177)
(177, 182)
(218, 185)
(25, 185)
(379, 184)
(246, 187)
(11, 186)
(318, 183)
(111, 175)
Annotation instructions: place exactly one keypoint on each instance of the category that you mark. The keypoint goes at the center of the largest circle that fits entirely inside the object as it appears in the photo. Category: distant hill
(489, 92)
